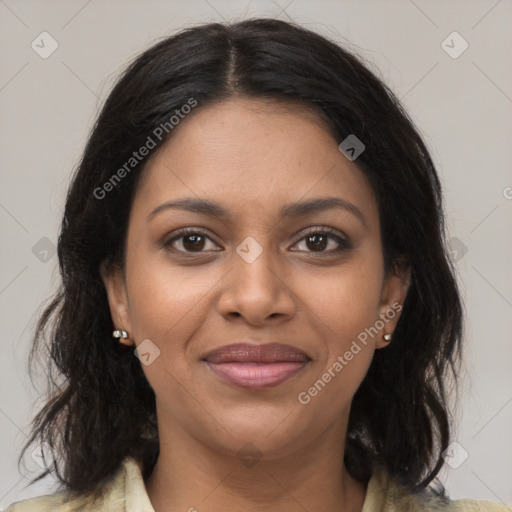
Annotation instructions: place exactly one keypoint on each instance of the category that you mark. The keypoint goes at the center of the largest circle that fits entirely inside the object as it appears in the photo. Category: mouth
(256, 366)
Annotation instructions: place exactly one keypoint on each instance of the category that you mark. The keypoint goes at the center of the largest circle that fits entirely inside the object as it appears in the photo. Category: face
(311, 278)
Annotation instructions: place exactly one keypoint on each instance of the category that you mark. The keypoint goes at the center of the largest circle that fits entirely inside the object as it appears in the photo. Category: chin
(265, 438)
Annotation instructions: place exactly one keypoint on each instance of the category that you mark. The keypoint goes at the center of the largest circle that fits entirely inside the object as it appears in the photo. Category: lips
(256, 366)
(268, 353)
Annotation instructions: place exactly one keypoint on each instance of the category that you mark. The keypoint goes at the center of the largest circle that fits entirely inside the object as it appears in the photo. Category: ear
(115, 286)
(394, 291)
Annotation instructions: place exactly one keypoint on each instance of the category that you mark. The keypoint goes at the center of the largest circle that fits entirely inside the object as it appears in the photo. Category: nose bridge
(255, 262)
(254, 289)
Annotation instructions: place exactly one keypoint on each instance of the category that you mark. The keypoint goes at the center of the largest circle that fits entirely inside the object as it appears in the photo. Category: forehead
(255, 156)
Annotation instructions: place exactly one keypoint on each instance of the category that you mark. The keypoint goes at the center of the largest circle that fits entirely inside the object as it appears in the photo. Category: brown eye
(193, 242)
(190, 241)
(318, 240)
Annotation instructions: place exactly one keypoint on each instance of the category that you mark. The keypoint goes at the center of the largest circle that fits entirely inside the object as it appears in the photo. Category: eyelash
(344, 244)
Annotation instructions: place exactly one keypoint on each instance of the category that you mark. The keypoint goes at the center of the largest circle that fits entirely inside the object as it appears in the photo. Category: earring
(122, 335)
(387, 336)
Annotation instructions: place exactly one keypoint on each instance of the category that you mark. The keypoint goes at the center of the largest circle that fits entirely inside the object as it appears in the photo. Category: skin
(252, 157)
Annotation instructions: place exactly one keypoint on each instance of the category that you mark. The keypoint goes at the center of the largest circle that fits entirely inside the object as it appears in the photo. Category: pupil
(317, 245)
(194, 245)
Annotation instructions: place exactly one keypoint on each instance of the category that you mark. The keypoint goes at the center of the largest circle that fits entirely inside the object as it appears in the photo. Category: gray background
(461, 105)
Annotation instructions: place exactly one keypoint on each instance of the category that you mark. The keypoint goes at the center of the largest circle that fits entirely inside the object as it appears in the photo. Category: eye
(317, 240)
(189, 241)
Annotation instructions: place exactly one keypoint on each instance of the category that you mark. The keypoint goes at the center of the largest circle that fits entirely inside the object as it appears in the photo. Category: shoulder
(57, 502)
(113, 495)
(49, 503)
(479, 506)
(386, 495)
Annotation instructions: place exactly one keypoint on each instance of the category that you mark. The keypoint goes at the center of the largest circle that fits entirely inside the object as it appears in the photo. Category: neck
(192, 476)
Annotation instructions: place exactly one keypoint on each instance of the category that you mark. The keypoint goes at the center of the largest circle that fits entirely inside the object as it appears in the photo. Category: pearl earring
(122, 335)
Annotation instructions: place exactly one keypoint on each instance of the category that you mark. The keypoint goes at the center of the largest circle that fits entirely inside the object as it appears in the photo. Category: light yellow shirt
(126, 492)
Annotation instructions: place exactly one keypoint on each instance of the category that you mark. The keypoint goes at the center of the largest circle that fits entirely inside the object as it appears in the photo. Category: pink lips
(256, 366)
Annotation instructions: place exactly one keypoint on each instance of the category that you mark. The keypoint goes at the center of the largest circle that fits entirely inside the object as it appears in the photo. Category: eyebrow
(290, 210)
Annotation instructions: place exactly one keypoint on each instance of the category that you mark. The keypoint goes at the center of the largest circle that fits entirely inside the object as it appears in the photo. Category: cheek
(350, 307)
(166, 306)
(165, 300)
(347, 298)
(347, 307)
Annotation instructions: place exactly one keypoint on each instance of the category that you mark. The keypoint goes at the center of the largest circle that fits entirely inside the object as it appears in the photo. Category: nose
(257, 290)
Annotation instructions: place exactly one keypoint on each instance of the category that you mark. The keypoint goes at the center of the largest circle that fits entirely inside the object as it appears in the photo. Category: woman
(257, 309)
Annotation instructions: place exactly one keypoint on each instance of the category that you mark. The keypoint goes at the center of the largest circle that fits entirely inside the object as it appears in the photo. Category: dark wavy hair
(103, 408)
